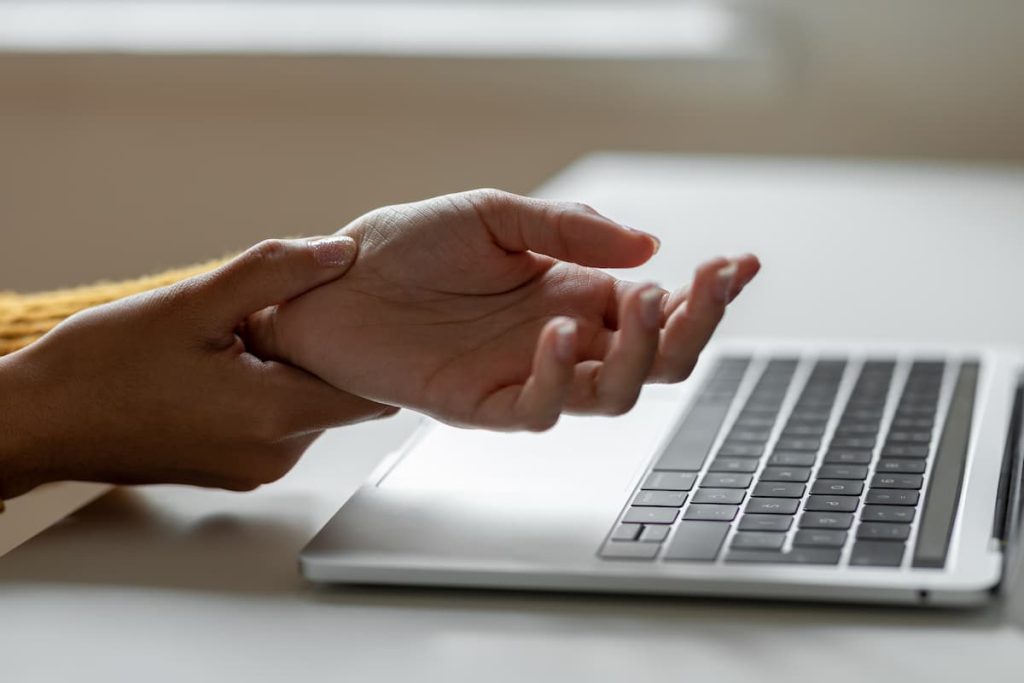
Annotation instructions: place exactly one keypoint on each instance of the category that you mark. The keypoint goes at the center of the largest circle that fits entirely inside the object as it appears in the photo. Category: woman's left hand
(160, 387)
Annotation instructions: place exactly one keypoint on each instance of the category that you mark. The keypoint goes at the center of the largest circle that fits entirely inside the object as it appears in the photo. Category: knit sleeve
(26, 317)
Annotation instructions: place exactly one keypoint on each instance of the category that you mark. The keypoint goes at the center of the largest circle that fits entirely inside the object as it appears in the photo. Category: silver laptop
(779, 470)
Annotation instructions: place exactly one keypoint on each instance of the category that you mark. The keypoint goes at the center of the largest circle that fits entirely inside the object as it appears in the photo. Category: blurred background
(138, 135)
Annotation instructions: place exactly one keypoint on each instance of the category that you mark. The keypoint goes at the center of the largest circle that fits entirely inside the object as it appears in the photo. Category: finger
(613, 386)
(622, 289)
(272, 272)
(537, 403)
(563, 230)
(673, 302)
(301, 403)
(689, 328)
(747, 267)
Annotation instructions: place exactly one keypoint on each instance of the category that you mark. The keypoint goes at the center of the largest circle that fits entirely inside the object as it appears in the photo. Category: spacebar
(697, 541)
(689, 448)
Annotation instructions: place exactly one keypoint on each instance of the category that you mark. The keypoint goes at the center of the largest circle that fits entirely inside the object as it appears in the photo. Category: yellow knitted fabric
(26, 317)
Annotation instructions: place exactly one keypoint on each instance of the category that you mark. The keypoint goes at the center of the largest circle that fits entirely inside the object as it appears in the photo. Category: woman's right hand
(487, 309)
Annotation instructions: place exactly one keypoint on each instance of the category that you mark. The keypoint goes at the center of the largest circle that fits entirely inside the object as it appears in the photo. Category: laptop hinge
(1009, 502)
(1008, 497)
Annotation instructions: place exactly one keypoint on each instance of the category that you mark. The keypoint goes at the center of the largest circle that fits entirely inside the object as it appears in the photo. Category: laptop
(861, 473)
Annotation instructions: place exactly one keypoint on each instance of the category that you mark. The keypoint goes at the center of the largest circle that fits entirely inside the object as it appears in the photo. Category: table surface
(183, 584)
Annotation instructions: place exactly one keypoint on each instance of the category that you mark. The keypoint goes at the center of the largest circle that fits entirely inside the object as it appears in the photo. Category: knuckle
(242, 485)
(273, 426)
(683, 370)
(490, 199)
(620, 404)
(267, 251)
(541, 423)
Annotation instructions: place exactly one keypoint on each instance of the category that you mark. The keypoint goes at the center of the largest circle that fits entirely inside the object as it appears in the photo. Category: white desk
(175, 584)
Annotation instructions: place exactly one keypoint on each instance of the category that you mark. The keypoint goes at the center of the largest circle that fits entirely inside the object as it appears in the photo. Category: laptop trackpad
(581, 455)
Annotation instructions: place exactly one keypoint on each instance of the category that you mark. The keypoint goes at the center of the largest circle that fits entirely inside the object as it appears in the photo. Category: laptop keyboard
(847, 464)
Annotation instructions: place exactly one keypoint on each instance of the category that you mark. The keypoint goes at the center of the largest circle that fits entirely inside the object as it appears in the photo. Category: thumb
(273, 272)
(564, 230)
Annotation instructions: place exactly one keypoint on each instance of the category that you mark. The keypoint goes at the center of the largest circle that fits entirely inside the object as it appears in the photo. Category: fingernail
(336, 251)
(565, 340)
(653, 238)
(726, 275)
(650, 307)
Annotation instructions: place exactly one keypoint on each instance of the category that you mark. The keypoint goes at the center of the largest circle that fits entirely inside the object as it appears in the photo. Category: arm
(25, 318)
(486, 309)
(160, 388)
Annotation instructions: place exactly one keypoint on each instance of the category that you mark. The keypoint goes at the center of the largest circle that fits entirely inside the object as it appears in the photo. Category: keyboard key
(897, 481)
(689, 446)
(889, 465)
(876, 554)
(645, 515)
(856, 472)
(846, 457)
(798, 474)
(670, 481)
(916, 411)
(754, 422)
(910, 437)
(629, 551)
(814, 556)
(946, 481)
(825, 538)
(913, 423)
(800, 430)
(794, 556)
(883, 531)
(792, 459)
(723, 480)
(758, 540)
(826, 520)
(779, 489)
(667, 499)
(901, 451)
(744, 465)
(863, 414)
(711, 513)
(720, 496)
(892, 497)
(758, 436)
(809, 416)
(888, 513)
(696, 541)
(798, 444)
(771, 506)
(855, 443)
(740, 450)
(765, 523)
(857, 429)
(837, 487)
(831, 503)
(626, 532)
(655, 533)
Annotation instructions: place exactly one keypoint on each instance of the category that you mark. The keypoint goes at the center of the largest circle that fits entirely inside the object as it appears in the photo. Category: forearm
(26, 317)
(24, 462)
(28, 456)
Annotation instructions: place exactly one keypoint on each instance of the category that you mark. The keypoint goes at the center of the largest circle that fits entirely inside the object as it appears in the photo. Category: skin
(160, 387)
(486, 309)
(481, 309)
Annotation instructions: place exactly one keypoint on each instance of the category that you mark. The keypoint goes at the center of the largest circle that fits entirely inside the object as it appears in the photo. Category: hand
(485, 309)
(159, 388)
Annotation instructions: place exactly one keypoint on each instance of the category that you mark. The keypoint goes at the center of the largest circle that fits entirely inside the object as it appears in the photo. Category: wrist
(23, 454)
